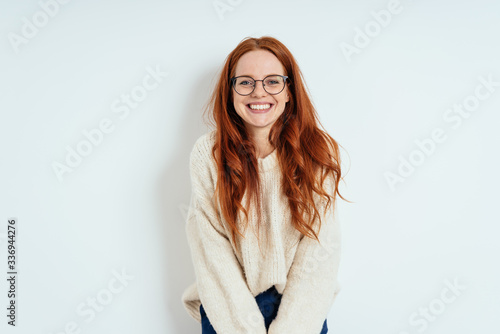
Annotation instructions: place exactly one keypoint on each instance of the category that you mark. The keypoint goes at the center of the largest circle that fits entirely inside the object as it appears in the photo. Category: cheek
(237, 102)
(282, 103)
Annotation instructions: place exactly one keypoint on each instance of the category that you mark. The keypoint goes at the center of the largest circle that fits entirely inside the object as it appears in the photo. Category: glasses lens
(274, 84)
(244, 85)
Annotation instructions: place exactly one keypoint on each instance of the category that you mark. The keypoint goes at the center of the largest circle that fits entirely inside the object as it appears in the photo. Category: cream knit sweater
(227, 281)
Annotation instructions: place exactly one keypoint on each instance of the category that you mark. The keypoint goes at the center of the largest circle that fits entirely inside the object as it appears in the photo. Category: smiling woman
(266, 166)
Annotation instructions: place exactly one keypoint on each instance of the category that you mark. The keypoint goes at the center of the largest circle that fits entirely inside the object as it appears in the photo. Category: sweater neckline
(268, 162)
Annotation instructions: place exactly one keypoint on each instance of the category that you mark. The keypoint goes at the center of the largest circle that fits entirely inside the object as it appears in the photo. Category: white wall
(122, 207)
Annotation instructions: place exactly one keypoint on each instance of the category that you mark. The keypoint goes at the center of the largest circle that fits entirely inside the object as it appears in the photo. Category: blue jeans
(267, 301)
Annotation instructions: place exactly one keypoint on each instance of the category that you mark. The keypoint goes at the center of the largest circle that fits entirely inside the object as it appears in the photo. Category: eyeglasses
(245, 85)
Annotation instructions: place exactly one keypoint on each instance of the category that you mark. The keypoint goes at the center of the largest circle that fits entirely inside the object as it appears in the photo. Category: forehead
(258, 63)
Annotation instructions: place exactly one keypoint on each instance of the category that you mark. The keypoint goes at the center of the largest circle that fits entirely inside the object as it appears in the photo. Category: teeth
(260, 106)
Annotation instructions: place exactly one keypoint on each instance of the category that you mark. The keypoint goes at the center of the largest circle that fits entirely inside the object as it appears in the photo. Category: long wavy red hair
(302, 148)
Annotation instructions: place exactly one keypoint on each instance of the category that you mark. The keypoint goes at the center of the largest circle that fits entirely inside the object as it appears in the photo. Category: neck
(263, 146)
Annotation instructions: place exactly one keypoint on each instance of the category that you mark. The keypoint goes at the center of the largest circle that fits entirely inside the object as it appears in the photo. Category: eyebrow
(248, 75)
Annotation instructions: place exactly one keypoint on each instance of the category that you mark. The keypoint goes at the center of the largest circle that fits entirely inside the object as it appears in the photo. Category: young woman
(261, 224)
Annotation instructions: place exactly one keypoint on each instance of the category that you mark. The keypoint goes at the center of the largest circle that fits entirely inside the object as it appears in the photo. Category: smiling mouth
(258, 108)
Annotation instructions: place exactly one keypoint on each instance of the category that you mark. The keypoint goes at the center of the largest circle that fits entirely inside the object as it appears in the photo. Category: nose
(259, 89)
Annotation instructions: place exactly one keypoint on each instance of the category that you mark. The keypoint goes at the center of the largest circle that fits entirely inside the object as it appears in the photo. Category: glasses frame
(233, 82)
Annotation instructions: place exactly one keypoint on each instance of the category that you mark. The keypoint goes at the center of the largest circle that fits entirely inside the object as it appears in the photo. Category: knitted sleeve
(312, 284)
(224, 293)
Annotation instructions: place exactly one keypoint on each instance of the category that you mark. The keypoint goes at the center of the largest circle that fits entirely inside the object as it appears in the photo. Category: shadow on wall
(174, 191)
